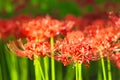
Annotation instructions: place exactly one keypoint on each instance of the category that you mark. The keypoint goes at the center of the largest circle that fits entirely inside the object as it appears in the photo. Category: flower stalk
(46, 66)
(103, 66)
(80, 71)
(52, 60)
(109, 69)
(38, 69)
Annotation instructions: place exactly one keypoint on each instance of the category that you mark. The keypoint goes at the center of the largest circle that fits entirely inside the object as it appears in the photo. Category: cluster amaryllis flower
(74, 48)
(42, 28)
(94, 42)
(12, 26)
(29, 49)
(37, 32)
(115, 44)
(99, 38)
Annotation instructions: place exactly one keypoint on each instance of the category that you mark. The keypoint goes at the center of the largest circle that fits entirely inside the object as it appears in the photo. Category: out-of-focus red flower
(111, 5)
(12, 26)
(116, 59)
(99, 38)
(30, 48)
(74, 37)
(76, 20)
(92, 30)
(19, 7)
(44, 28)
(6, 28)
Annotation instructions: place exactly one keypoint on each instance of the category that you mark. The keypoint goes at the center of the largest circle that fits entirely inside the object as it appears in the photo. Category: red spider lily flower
(115, 49)
(101, 41)
(7, 28)
(30, 48)
(114, 18)
(82, 52)
(44, 28)
(99, 22)
(116, 59)
(12, 26)
(76, 20)
(74, 48)
(106, 34)
(74, 37)
(79, 52)
(118, 22)
(92, 30)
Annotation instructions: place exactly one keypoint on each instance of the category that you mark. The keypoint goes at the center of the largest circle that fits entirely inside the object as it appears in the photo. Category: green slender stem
(80, 71)
(38, 69)
(109, 69)
(103, 65)
(53, 69)
(76, 71)
(103, 68)
(46, 67)
(52, 60)
(37, 75)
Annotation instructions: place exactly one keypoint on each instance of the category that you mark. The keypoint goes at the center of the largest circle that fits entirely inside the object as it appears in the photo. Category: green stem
(46, 67)
(103, 68)
(80, 71)
(52, 60)
(109, 69)
(38, 69)
(103, 65)
(76, 71)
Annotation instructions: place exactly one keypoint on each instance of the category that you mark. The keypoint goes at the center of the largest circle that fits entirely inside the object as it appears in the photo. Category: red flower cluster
(98, 38)
(37, 32)
(95, 41)
(74, 48)
(43, 28)
(30, 48)
(12, 26)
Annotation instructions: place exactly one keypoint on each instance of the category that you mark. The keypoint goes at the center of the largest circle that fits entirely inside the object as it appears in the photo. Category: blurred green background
(55, 8)
(16, 68)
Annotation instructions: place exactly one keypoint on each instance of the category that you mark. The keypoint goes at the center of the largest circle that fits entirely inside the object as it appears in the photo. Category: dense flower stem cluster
(74, 42)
